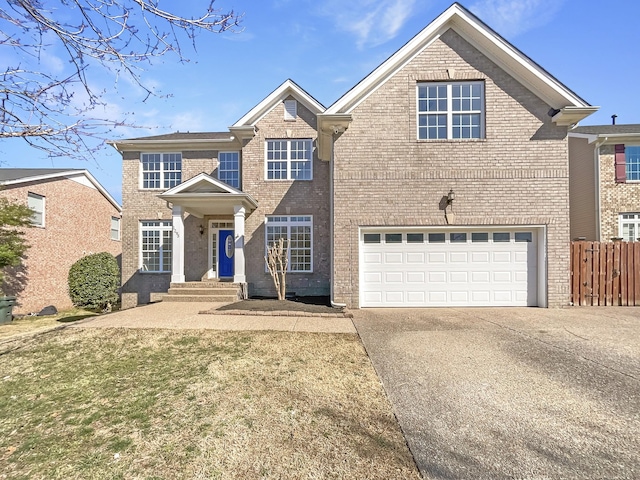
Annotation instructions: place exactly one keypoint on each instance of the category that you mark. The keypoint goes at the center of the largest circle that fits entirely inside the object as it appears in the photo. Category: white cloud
(373, 22)
(512, 17)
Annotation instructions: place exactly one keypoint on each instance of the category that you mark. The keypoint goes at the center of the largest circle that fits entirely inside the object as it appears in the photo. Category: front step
(207, 291)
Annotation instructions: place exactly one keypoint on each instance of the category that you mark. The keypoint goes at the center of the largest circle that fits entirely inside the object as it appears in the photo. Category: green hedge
(94, 281)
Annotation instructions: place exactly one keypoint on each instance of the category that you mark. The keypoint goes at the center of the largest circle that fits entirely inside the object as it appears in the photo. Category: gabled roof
(288, 88)
(204, 195)
(608, 134)
(17, 176)
(571, 108)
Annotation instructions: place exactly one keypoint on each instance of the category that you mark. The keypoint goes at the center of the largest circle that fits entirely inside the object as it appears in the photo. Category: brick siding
(77, 223)
(516, 175)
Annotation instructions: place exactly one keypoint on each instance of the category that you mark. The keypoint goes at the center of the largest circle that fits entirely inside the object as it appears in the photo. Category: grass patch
(106, 404)
(33, 323)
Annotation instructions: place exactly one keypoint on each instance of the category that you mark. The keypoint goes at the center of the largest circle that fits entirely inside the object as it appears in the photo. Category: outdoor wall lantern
(201, 228)
(451, 196)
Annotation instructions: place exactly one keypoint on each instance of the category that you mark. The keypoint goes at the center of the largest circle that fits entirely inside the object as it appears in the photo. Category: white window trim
(165, 225)
(289, 224)
(288, 179)
(635, 221)
(626, 163)
(449, 113)
(161, 171)
(239, 168)
(44, 208)
(119, 220)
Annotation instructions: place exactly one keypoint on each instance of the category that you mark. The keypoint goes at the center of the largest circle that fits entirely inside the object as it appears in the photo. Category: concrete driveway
(512, 393)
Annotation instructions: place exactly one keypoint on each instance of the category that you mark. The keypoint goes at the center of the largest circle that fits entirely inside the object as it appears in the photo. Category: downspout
(331, 229)
(596, 153)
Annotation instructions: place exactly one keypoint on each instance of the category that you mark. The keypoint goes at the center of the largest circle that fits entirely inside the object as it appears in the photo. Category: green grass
(106, 404)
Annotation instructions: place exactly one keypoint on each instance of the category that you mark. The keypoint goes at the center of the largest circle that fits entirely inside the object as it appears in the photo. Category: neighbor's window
(156, 240)
(629, 226)
(288, 159)
(161, 170)
(36, 203)
(451, 110)
(229, 168)
(632, 162)
(115, 228)
(299, 230)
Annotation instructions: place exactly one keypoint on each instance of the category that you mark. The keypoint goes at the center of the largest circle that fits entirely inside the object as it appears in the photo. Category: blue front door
(225, 253)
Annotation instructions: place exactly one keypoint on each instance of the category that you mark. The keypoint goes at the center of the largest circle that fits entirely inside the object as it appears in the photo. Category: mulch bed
(305, 305)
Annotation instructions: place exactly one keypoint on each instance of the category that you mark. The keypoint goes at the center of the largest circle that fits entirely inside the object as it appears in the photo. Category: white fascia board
(274, 98)
(486, 40)
(197, 179)
(614, 138)
(177, 144)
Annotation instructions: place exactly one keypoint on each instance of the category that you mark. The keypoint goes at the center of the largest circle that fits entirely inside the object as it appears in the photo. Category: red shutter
(621, 174)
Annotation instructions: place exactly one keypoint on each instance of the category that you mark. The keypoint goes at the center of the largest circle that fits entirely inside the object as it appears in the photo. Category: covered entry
(201, 196)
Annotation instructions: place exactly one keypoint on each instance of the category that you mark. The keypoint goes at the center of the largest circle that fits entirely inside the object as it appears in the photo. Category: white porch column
(177, 264)
(238, 230)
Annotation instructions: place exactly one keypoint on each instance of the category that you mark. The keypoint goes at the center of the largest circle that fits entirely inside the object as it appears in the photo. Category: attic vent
(290, 110)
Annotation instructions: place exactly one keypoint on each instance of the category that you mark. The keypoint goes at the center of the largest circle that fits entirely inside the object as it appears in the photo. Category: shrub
(94, 281)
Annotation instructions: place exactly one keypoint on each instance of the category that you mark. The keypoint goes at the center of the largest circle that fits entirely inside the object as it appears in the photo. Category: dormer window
(290, 110)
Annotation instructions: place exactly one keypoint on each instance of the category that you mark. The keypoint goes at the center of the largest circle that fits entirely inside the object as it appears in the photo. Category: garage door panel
(458, 277)
(415, 277)
(487, 271)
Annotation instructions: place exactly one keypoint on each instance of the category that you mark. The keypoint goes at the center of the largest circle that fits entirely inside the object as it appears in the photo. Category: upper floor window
(36, 203)
(632, 162)
(156, 240)
(161, 170)
(452, 110)
(115, 228)
(229, 168)
(289, 159)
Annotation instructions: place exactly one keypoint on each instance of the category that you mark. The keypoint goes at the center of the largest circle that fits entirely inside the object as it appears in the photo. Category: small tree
(94, 281)
(14, 218)
(277, 259)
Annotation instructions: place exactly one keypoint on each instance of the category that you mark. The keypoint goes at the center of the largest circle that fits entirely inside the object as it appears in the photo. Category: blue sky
(327, 46)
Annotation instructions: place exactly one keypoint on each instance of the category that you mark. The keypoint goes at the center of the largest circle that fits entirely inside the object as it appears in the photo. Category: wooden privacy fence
(605, 273)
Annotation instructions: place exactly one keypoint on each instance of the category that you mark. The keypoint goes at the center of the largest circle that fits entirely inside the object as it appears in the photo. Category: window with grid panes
(452, 110)
(629, 226)
(229, 168)
(161, 170)
(299, 230)
(632, 162)
(156, 239)
(289, 159)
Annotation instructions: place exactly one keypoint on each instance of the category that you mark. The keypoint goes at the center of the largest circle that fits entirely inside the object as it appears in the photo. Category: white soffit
(288, 88)
(478, 34)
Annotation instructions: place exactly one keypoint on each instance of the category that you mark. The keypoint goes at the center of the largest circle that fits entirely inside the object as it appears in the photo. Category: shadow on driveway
(512, 393)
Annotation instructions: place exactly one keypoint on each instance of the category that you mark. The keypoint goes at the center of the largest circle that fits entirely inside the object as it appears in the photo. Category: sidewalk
(179, 315)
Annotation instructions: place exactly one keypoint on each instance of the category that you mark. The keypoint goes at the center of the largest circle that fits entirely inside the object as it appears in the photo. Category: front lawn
(144, 404)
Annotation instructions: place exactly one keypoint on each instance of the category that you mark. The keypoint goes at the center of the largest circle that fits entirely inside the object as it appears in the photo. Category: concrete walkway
(185, 315)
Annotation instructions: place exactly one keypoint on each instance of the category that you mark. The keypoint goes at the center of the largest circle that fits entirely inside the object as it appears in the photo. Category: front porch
(204, 196)
(205, 291)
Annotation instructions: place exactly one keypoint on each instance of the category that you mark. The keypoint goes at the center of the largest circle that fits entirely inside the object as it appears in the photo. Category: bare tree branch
(56, 113)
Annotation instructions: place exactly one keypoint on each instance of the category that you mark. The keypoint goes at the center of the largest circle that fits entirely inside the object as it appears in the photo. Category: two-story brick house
(440, 179)
(604, 162)
(74, 216)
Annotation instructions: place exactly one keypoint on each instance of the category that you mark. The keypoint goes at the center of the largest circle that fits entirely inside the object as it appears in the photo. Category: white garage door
(446, 267)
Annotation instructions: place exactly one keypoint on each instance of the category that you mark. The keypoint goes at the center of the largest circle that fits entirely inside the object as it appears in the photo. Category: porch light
(451, 196)
(201, 228)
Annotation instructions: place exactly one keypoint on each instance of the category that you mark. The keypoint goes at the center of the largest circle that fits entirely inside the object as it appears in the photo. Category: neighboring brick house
(75, 216)
(440, 179)
(604, 163)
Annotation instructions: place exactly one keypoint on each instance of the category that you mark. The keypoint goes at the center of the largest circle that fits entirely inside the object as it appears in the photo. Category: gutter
(596, 163)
